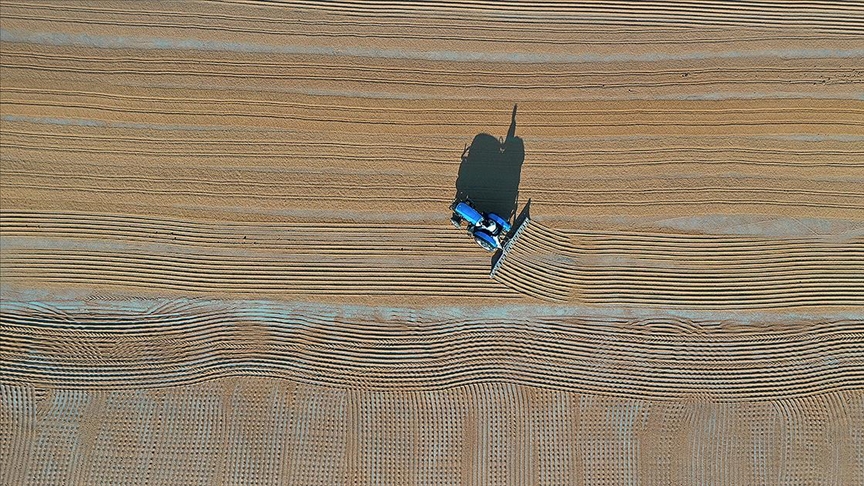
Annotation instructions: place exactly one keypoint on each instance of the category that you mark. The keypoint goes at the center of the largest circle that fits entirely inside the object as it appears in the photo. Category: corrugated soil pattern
(106, 346)
(703, 271)
(225, 255)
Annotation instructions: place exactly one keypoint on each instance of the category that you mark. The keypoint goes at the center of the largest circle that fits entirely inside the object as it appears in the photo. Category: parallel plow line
(105, 346)
(289, 258)
(682, 270)
(726, 272)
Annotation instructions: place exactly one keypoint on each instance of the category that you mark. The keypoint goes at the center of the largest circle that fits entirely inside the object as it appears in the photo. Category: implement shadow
(490, 172)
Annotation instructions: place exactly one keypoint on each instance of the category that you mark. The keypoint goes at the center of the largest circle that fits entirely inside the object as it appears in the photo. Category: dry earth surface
(226, 255)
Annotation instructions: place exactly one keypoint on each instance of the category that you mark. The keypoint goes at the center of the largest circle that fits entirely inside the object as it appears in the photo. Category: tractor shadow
(490, 172)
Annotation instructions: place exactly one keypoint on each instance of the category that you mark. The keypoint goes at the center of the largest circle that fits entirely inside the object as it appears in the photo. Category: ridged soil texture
(674, 270)
(225, 255)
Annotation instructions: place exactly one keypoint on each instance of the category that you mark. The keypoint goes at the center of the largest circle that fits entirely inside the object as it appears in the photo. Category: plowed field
(226, 255)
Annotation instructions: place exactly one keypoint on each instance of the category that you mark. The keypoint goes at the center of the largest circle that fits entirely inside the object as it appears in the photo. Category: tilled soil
(226, 254)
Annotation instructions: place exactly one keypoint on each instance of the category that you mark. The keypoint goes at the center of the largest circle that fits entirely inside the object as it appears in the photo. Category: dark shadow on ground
(490, 172)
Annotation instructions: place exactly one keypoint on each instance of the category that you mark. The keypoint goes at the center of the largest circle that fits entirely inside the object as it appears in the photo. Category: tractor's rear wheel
(485, 240)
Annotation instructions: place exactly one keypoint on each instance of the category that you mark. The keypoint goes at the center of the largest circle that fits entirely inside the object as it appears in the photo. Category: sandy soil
(226, 255)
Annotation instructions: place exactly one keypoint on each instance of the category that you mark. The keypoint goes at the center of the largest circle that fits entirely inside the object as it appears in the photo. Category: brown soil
(226, 255)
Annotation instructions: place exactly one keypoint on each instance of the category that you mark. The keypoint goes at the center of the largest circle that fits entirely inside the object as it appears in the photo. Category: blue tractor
(488, 229)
